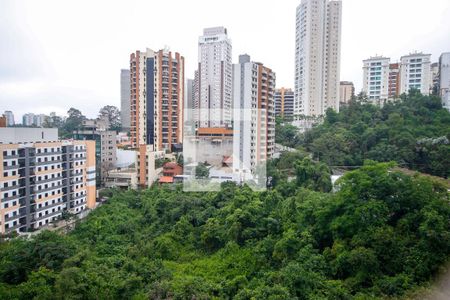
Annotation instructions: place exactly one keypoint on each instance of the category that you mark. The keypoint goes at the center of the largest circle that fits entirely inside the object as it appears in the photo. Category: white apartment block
(125, 99)
(415, 73)
(376, 78)
(9, 118)
(254, 115)
(214, 78)
(444, 79)
(317, 56)
(28, 119)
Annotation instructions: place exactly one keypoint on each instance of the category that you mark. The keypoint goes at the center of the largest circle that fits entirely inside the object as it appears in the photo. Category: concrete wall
(28, 135)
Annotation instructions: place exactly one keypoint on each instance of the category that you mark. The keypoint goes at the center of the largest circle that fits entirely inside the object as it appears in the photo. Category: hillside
(414, 131)
(384, 233)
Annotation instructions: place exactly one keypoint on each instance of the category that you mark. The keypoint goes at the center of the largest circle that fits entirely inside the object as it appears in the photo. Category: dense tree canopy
(112, 114)
(414, 131)
(382, 234)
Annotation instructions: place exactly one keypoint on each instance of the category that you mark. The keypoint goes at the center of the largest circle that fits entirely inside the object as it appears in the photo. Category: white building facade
(9, 118)
(125, 99)
(254, 115)
(317, 56)
(444, 79)
(415, 73)
(376, 78)
(214, 78)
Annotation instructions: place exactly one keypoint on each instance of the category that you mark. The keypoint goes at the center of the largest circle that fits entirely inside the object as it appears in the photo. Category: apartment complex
(254, 114)
(444, 79)
(125, 99)
(3, 121)
(156, 98)
(41, 177)
(394, 81)
(214, 78)
(105, 145)
(376, 78)
(317, 56)
(415, 73)
(346, 91)
(31, 119)
(284, 102)
(9, 118)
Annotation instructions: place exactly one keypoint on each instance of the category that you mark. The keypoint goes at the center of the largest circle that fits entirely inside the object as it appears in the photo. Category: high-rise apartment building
(394, 81)
(28, 119)
(254, 114)
(284, 102)
(9, 118)
(444, 79)
(317, 56)
(41, 177)
(376, 78)
(214, 78)
(125, 99)
(415, 73)
(31, 119)
(346, 91)
(156, 98)
(189, 93)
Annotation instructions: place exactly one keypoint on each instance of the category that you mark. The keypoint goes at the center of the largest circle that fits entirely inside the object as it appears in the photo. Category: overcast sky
(59, 54)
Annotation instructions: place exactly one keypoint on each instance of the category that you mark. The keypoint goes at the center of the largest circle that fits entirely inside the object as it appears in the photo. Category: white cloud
(59, 54)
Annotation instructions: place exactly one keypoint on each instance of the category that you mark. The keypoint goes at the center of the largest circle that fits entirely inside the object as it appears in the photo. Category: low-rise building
(122, 178)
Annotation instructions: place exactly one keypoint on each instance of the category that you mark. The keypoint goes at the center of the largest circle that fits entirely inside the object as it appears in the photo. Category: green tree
(112, 114)
(201, 171)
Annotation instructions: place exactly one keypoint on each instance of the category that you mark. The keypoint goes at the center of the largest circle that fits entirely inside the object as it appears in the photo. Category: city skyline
(45, 68)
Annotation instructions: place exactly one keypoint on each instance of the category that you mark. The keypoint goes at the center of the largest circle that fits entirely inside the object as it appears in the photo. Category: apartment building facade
(284, 103)
(146, 173)
(376, 78)
(156, 98)
(9, 118)
(415, 73)
(346, 91)
(41, 177)
(317, 56)
(214, 78)
(105, 140)
(444, 79)
(125, 99)
(394, 81)
(254, 114)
